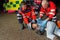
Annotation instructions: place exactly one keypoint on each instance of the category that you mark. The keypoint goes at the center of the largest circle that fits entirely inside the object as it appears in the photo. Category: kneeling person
(27, 14)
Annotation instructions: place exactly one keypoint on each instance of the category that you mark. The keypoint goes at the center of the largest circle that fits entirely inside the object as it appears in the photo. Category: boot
(22, 27)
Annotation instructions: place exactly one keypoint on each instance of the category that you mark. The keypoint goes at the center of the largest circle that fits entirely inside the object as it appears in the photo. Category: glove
(29, 26)
(39, 20)
(43, 25)
(44, 22)
(33, 21)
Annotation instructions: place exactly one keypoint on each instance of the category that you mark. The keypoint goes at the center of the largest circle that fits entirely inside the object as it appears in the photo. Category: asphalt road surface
(10, 29)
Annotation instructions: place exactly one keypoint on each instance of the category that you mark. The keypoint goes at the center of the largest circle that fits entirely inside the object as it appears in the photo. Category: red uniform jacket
(50, 11)
(37, 1)
(27, 15)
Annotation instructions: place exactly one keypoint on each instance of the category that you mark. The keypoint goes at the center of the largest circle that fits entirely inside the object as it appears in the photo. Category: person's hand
(47, 19)
(19, 11)
(33, 21)
(39, 19)
(42, 25)
(44, 22)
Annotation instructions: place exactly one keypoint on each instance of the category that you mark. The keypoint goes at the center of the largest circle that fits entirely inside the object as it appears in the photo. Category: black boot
(23, 27)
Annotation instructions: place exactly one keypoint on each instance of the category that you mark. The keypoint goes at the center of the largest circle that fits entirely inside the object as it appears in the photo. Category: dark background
(57, 2)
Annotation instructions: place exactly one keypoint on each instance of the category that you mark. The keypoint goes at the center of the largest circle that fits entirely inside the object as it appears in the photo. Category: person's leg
(50, 29)
(57, 31)
(20, 20)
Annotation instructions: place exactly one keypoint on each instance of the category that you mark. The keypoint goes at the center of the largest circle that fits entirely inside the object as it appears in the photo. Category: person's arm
(51, 15)
(21, 12)
(52, 12)
(33, 15)
(24, 17)
(41, 12)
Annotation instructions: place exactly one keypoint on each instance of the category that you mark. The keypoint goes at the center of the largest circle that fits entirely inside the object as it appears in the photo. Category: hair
(45, 2)
(23, 3)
